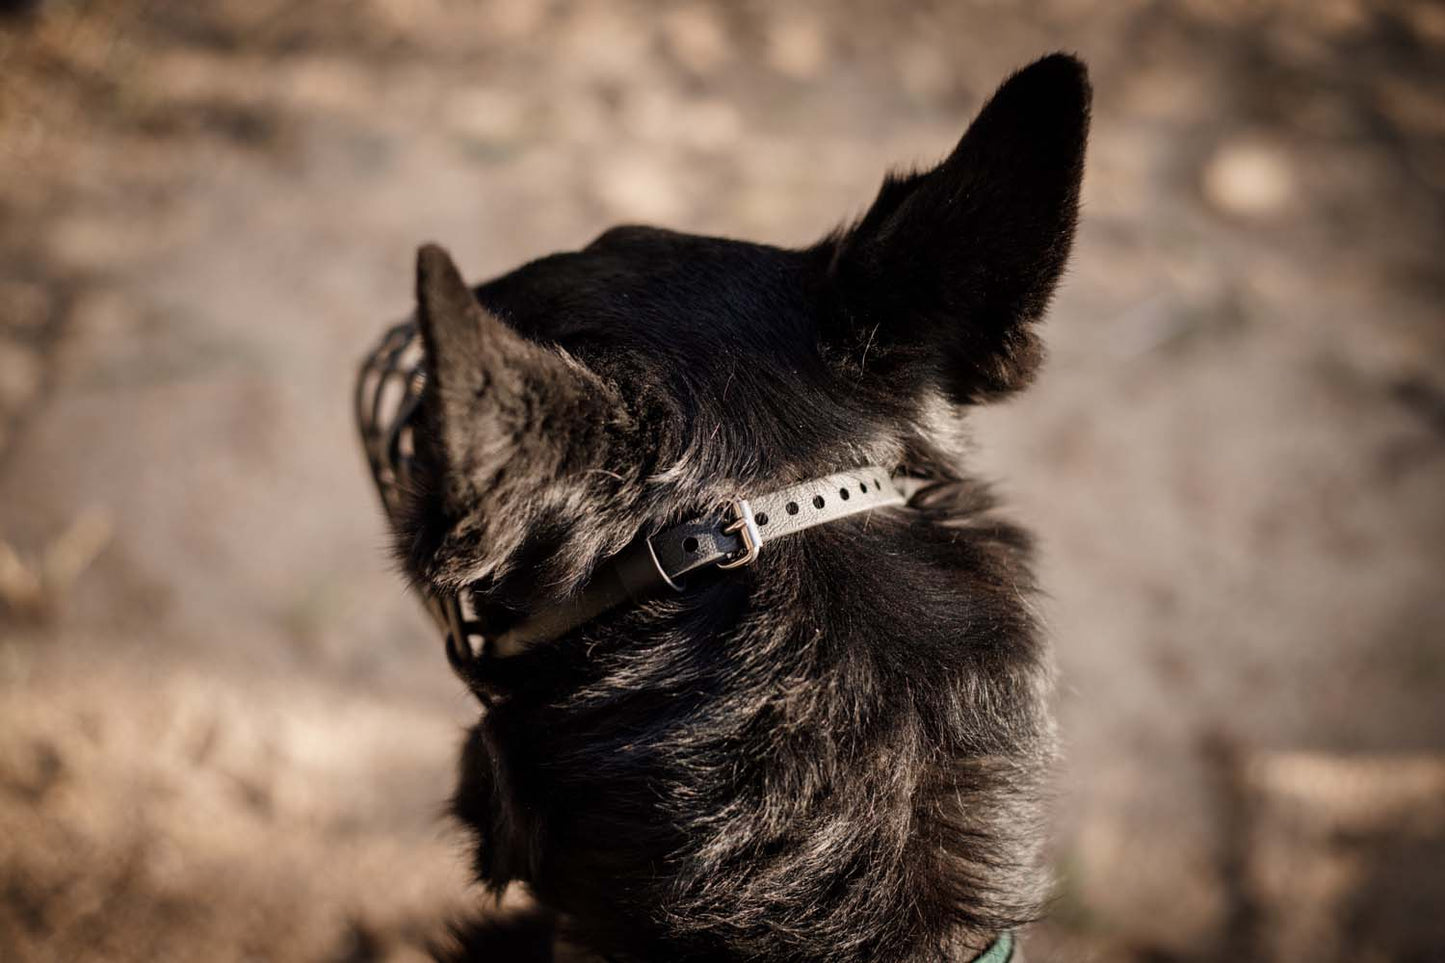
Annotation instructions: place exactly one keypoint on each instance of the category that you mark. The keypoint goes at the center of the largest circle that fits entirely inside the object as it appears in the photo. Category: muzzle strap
(655, 566)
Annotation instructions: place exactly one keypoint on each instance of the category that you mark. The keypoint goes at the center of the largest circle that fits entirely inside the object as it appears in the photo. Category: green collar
(1000, 951)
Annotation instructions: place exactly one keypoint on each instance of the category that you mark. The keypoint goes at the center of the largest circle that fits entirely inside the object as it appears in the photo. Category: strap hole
(762, 519)
(818, 501)
(863, 487)
(792, 508)
(689, 544)
(843, 494)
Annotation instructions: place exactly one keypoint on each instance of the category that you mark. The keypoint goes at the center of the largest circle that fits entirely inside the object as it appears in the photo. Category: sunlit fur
(839, 753)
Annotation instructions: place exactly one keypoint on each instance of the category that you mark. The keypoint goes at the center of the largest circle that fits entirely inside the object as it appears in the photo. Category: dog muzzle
(389, 391)
(388, 394)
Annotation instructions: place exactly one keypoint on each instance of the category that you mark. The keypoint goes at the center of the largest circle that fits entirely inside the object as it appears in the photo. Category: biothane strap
(700, 543)
(653, 566)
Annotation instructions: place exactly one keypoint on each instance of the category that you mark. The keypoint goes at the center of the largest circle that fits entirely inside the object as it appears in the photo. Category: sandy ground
(226, 734)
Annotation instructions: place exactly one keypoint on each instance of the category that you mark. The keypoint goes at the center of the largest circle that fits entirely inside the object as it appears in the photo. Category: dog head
(592, 395)
(589, 390)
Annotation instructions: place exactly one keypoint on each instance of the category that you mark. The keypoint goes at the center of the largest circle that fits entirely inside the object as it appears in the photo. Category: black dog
(838, 753)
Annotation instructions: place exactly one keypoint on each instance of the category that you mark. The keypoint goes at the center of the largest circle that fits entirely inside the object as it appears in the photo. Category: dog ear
(503, 412)
(492, 388)
(942, 281)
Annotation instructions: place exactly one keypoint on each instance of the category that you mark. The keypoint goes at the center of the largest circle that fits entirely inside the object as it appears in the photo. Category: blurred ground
(224, 732)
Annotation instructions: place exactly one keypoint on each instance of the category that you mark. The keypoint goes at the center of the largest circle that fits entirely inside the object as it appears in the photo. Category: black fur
(837, 754)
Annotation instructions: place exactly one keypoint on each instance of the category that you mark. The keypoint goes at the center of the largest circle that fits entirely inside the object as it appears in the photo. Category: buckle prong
(746, 528)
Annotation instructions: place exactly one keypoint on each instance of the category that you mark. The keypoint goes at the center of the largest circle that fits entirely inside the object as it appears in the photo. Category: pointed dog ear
(451, 321)
(492, 387)
(508, 416)
(941, 282)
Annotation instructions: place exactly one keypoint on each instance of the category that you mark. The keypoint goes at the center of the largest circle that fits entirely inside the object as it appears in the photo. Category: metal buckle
(746, 528)
(458, 628)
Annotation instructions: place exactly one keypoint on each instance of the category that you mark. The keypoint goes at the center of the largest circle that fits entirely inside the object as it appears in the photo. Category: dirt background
(225, 734)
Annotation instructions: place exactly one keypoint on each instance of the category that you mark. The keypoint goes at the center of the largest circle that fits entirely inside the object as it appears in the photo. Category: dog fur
(840, 752)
